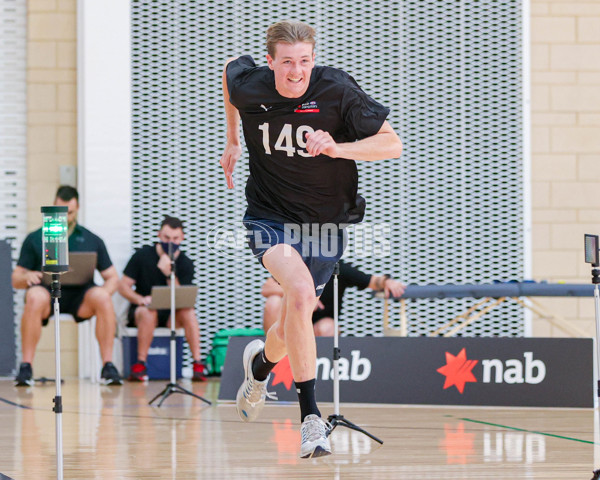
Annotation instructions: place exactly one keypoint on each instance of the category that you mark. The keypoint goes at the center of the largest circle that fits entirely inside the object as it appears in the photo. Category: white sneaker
(252, 393)
(314, 432)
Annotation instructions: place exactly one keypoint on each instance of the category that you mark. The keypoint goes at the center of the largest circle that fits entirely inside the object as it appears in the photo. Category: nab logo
(459, 370)
(357, 369)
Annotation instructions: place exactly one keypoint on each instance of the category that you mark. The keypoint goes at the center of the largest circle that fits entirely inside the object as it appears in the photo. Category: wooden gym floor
(112, 433)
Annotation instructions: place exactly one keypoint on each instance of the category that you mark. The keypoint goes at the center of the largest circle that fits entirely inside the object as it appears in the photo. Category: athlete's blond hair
(289, 31)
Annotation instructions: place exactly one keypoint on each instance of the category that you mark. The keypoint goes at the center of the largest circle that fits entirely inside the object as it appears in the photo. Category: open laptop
(185, 297)
(81, 270)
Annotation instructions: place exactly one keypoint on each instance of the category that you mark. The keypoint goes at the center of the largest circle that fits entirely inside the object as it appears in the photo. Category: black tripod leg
(208, 402)
(174, 388)
(165, 394)
(158, 395)
(336, 420)
(180, 389)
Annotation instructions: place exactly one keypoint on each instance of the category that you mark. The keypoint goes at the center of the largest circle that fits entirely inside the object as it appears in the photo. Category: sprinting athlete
(304, 127)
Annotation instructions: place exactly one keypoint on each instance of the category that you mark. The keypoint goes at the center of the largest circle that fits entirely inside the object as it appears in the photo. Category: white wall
(104, 117)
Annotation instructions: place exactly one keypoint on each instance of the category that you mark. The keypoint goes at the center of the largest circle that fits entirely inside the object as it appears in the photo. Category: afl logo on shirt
(309, 107)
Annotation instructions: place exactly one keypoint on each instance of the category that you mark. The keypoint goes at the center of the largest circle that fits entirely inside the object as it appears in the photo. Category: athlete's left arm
(384, 144)
(111, 279)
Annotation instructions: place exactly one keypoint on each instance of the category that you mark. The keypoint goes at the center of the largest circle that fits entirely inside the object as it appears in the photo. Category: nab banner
(527, 372)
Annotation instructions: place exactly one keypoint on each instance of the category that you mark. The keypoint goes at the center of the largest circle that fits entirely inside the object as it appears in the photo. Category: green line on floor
(562, 437)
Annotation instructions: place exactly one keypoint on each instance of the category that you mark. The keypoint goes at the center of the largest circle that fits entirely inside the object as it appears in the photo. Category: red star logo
(282, 373)
(458, 444)
(458, 370)
(287, 438)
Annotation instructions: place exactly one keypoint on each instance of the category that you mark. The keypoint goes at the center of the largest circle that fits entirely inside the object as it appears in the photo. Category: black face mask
(165, 246)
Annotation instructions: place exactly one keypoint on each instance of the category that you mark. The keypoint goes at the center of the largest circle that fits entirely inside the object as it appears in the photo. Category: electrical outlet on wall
(68, 175)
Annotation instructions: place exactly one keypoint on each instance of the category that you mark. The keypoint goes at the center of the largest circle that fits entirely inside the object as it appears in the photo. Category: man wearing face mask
(151, 266)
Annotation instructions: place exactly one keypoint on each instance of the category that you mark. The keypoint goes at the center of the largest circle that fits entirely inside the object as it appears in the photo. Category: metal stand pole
(337, 419)
(597, 308)
(58, 398)
(596, 281)
(173, 386)
(173, 339)
(336, 347)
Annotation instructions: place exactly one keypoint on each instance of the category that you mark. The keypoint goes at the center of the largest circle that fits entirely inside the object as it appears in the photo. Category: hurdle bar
(492, 295)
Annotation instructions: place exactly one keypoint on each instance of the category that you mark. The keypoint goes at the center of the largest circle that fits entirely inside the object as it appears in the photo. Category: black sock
(143, 362)
(261, 367)
(307, 399)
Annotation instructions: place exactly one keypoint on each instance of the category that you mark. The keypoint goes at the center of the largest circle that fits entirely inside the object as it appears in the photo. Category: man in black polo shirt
(82, 301)
(322, 317)
(151, 266)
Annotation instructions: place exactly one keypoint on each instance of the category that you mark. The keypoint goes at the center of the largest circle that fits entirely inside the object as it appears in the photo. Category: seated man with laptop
(149, 267)
(80, 297)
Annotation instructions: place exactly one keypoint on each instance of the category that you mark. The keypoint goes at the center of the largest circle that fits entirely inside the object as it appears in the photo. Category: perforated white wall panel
(13, 198)
(450, 72)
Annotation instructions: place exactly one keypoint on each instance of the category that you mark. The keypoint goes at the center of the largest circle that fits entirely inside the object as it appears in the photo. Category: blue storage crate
(159, 355)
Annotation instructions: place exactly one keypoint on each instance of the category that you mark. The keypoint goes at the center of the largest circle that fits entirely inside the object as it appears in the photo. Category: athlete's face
(292, 65)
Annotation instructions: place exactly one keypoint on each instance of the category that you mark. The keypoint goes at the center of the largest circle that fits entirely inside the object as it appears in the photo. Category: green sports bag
(216, 357)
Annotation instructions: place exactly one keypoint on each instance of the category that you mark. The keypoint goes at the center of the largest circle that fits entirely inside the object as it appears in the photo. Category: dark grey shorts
(319, 248)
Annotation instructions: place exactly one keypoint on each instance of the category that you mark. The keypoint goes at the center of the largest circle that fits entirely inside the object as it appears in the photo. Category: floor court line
(562, 437)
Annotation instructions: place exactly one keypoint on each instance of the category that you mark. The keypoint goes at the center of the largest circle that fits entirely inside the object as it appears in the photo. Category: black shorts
(69, 302)
(320, 253)
(163, 317)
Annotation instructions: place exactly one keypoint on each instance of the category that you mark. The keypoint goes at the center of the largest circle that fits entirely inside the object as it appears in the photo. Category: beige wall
(51, 99)
(51, 135)
(565, 128)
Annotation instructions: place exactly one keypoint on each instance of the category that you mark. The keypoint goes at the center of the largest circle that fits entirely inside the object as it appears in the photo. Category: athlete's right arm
(233, 148)
(23, 278)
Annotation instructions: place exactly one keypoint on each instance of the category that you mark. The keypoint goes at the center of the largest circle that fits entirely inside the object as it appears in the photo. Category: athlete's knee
(301, 295)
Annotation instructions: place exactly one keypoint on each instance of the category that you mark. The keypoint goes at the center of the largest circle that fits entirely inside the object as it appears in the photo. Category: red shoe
(139, 372)
(200, 372)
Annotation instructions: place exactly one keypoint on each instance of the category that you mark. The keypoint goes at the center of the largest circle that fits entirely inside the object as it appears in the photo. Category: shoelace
(315, 429)
(254, 395)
